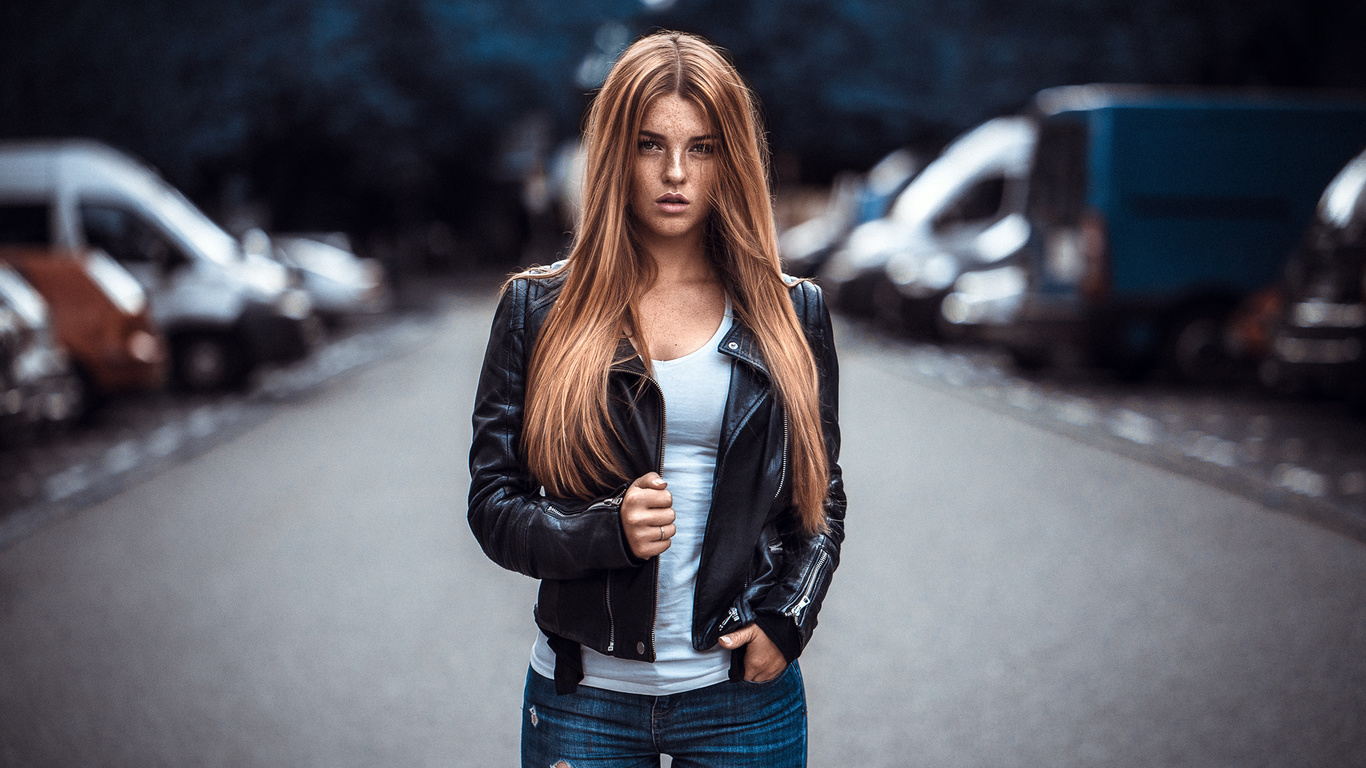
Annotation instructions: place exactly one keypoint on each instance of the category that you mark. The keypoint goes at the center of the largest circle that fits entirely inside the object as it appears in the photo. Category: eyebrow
(703, 137)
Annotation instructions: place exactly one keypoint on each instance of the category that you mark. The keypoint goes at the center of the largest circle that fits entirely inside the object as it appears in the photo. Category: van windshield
(1345, 198)
(180, 215)
(998, 147)
(24, 224)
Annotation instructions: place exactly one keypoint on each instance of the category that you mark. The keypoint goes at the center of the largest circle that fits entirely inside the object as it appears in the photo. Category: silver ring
(661, 533)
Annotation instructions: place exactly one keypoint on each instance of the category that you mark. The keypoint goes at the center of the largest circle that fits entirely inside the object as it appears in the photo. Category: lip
(672, 202)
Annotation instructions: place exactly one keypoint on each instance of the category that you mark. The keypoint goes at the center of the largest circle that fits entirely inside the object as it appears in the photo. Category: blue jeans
(734, 723)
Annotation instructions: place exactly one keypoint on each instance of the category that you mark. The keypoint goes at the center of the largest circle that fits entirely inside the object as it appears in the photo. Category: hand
(763, 660)
(647, 516)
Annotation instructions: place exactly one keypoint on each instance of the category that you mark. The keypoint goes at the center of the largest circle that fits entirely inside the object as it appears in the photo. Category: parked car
(339, 282)
(1149, 215)
(40, 386)
(224, 312)
(100, 316)
(957, 198)
(854, 200)
(1319, 341)
(15, 400)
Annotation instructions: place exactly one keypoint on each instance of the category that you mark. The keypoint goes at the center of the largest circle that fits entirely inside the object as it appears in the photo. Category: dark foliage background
(381, 117)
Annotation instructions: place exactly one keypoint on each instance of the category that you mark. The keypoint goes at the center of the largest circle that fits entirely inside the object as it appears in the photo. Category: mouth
(672, 202)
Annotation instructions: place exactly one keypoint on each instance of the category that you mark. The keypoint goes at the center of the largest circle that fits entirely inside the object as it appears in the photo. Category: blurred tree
(386, 114)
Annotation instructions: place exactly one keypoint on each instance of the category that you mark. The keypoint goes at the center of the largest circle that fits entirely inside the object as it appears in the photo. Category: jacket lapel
(749, 383)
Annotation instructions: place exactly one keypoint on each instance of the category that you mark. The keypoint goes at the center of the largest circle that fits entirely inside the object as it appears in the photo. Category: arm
(788, 614)
(516, 526)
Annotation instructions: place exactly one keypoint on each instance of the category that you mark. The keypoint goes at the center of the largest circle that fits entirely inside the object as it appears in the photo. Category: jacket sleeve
(788, 613)
(518, 527)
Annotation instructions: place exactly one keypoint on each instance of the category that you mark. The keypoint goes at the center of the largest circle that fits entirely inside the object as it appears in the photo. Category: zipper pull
(732, 617)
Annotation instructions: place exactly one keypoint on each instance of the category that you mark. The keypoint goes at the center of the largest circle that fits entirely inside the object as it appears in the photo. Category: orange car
(100, 314)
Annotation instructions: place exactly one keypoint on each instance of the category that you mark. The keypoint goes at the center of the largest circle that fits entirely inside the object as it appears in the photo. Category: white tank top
(695, 388)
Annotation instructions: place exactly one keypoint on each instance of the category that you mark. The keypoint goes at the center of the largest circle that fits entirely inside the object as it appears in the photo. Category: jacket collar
(741, 344)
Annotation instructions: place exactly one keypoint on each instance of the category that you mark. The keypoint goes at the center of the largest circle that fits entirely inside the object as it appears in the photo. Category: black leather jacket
(756, 564)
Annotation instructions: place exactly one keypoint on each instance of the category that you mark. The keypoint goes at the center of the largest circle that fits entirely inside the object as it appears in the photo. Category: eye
(705, 148)
(647, 145)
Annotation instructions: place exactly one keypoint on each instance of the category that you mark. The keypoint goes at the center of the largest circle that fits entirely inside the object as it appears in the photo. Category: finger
(647, 517)
(650, 480)
(662, 532)
(647, 497)
(738, 638)
(656, 499)
(648, 549)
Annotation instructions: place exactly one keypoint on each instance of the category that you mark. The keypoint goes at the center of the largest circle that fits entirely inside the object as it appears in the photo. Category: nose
(673, 168)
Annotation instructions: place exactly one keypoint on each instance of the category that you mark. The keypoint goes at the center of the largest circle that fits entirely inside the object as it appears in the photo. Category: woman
(683, 556)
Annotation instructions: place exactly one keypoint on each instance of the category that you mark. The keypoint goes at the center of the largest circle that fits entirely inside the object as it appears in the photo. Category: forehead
(672, 113)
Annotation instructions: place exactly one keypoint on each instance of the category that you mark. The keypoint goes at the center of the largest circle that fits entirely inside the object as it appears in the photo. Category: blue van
(1152, 213)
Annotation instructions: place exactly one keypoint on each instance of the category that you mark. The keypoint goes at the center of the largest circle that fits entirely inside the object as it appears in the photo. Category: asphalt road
(307, 594)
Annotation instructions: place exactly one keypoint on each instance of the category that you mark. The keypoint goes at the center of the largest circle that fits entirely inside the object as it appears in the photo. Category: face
(675, 171)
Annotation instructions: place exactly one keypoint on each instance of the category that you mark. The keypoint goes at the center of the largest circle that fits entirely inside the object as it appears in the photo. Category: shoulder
(530, 293)
(808, 301)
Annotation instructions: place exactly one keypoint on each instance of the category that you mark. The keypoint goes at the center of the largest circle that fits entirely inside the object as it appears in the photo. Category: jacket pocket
(575, 609)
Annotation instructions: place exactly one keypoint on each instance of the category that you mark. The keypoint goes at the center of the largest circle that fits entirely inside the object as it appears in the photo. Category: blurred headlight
(903, 268)
(1323, 314)
(144, 347)
(993, 295)
(1317, 351)
(939, 271)
(121, 287)
(1063, 257)
(295, 304)
(266, 276)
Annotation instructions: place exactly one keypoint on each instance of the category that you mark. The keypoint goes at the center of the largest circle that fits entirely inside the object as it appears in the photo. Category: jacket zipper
(782, 471)
(804, 597)
(659, 467)
(663, 430)
(615, 501)
(611, 622)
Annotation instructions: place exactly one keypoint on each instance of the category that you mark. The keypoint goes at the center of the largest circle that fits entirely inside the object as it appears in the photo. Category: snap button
(640, 648)
(733, 345)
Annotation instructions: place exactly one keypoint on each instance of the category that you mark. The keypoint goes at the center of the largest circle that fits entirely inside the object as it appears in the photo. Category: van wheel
(1029, 359)
(207, 363)
(69, 402)
(1195, 347)
(83, 397)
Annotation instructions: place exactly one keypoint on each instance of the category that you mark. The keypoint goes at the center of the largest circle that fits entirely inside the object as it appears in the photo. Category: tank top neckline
(709, 344)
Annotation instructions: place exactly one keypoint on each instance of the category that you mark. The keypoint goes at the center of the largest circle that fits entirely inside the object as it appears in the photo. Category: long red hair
(566, 434)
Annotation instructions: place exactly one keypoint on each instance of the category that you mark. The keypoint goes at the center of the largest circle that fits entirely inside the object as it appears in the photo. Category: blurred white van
(223, 311)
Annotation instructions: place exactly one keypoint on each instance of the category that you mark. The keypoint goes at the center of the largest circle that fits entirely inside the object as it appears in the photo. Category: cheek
(708, 179)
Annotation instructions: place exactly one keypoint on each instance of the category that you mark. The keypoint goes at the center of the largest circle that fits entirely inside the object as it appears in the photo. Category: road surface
(308, 594)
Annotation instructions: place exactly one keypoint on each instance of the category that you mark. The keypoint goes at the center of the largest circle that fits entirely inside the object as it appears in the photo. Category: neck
(679, 260)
